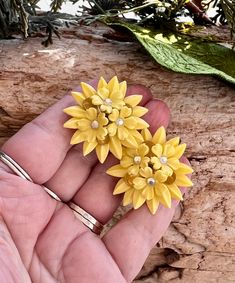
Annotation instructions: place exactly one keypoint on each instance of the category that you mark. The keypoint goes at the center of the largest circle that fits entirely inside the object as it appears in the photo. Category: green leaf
(185, 54)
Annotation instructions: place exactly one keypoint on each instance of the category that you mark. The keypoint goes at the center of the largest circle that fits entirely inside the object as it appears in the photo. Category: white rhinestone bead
(108, 101)
(119, 122)
(163, 159)
(95, 124)
(137, 159)
(151, 181)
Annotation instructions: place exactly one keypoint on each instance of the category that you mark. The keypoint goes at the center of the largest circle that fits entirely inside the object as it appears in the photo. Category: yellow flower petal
(166, 170)
(143, 149)
(88, 147)
(117, 103)
(75, 111)
(78, 137)
(130, 123)
(146, 135)
(146, 172)
(102, 152)
(103, 93)
(106, 108)
(163, 194)
(87, 90)
(112, 129)
(168, 150)
(91, 113)
(134, 170)
(133, 100)
(130, 142)
(122, 133)
(183, 181)
(121, 187)
(117, 171)
(91, 135)
(174, 141)
(159, 136)
(131, 152)
(128, 196)
(141, 124)
(78, 97)
(184, 169)
(138, 137)
(138, 199)
(101, 133)
(84, 124)
(71, 123)
(145, 161)
(126, 161)
(157, 150)
(96, 100)
(153, 205)
(114, 115)
(102, 83)
(179, 150)
(175, 192)
(173, 163)
(125, 112)
(148, 192)
(161, 176)
(113, 85)
(116, 147)
(102, 119)
(156, 162)
(122, 89)
(139, 111)
(139, 183)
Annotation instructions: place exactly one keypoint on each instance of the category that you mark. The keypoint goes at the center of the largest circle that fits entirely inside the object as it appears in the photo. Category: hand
(41, 240)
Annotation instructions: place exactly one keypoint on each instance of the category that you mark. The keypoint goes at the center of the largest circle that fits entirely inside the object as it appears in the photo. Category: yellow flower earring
(152, 173)
(106, 120)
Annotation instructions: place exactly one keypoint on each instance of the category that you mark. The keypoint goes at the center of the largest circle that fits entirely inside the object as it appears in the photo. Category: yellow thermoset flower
(134, 159)
(90, 129)
(109, 95)
(159, 177)
(106, 120)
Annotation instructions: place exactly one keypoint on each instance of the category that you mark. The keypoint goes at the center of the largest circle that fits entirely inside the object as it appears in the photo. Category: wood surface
(199, 246)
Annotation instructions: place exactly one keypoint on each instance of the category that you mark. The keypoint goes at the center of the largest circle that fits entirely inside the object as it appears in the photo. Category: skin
(40, 239)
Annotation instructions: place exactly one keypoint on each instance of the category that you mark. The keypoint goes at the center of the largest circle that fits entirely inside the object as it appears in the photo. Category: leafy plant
(161, 26)
(15, 14)
(229, 11)
(184, 54)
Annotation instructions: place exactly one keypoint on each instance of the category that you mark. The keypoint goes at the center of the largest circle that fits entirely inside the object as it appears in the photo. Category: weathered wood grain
(199, 246)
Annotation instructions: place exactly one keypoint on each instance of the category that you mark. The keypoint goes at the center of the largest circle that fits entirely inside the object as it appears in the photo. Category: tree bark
(199, 246)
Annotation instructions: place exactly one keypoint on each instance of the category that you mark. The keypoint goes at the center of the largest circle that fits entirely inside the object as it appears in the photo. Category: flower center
(163, 159)
(151, 181)
(95, 124)
(119, 122)
(108, 101)
(137, 159)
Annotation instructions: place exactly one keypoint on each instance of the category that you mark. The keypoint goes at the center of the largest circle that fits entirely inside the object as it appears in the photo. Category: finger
(76, 168)
(145, 231)
(96, 196)
(41, 145)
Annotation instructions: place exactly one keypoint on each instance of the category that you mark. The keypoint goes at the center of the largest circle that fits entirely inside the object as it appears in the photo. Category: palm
(42, 241)
(50, 240)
